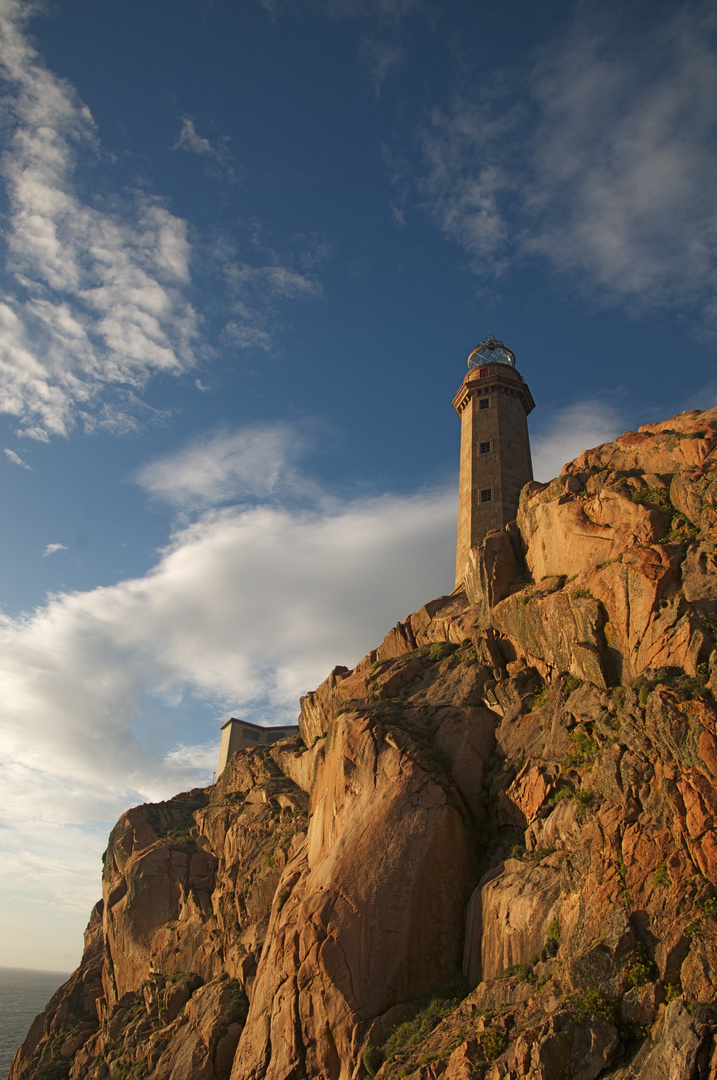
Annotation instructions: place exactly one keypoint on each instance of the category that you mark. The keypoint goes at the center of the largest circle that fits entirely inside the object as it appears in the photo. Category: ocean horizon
(24, 993)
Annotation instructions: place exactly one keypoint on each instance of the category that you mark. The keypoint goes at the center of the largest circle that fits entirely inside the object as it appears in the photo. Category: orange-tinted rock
(381, 828)
(507, 780)
(509, 917)
(526, 796)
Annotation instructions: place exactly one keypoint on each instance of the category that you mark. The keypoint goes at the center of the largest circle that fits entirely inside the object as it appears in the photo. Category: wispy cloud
(466, 181)
(601, 160)
(257, 290)
(190, 758)
(100, 300)
(380, 58)
(190, 140)
(626, 154)
(52, 548)
(16, 459)
(566, 432)
(255, 462)
(219, 161)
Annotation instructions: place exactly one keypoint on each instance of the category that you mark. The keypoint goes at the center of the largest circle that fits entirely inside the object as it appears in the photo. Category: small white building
(240, 734)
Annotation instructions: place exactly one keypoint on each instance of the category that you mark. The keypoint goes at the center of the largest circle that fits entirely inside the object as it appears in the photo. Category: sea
(23, 994)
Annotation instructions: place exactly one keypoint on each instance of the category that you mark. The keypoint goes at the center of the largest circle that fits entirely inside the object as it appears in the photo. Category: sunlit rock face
(490, 854)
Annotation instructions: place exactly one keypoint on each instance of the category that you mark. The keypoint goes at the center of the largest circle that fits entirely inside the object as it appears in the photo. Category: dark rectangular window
(485, 496)
(485, 448)
(484, 403)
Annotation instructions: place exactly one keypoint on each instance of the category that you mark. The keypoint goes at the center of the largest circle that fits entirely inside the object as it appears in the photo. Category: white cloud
(601, 160)
(256, 461)
(569, 431)
(100, 303)
(183, 758)
(52, 548)
(16, 459)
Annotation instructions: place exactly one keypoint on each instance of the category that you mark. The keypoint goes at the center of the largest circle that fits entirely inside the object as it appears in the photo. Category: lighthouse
(493, 404)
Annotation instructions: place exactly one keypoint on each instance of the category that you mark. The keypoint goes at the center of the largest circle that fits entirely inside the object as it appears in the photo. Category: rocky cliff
(492, 852)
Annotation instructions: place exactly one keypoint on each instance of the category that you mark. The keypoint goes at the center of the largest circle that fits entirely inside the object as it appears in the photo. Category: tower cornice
(489, 379)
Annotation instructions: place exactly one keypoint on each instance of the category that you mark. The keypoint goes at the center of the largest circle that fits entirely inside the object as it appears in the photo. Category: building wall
(505, 468)
(238, 735)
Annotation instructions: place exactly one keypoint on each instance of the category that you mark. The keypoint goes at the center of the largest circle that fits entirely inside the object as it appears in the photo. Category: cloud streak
(52, 548)
(256, 292)
(254, 462)
(16, 459)
(601, 160)
(189, 139)
(218, 160)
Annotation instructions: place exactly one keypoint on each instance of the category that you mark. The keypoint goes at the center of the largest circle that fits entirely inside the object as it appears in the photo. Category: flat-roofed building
(240, 735)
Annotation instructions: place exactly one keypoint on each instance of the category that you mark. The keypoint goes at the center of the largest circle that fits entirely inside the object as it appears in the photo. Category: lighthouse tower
(493, 404)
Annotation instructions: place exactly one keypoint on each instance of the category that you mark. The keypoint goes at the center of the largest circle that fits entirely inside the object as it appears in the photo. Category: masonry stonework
(493, 404)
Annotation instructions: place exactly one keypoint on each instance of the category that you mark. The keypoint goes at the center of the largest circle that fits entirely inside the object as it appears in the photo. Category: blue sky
(246, 250)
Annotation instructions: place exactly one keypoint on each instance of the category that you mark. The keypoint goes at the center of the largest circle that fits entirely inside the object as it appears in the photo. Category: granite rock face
(492, 852)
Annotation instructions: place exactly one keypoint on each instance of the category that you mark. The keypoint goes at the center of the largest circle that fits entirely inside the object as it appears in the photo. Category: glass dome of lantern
(491, 351)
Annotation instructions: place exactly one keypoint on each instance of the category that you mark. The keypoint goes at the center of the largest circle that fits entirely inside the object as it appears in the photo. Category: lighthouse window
(485, 496)
(485, 448)
(484, 403)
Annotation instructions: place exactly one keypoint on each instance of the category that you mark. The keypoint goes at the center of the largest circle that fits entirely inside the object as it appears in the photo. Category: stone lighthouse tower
(493, 404)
